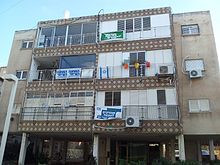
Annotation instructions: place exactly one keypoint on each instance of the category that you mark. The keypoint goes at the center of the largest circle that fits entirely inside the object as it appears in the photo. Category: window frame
(134, 29)
(27, 44)
(113, 103)
(199, 104)
(189, 28)
(21, 74)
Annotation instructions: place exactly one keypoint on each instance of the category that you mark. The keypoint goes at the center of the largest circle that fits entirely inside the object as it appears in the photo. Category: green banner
(119, 35)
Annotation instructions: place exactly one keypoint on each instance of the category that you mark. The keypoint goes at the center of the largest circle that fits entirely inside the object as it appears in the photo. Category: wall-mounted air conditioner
(196, 73)
(132, 121)
(165, 69)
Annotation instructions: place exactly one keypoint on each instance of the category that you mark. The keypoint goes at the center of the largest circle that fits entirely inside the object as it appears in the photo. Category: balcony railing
(153, 32)
(69, 40)
(57, 113)
(50, 74)
(144, 112)
(152, 112)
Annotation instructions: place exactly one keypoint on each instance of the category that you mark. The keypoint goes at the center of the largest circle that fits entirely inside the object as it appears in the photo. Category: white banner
(108, 112)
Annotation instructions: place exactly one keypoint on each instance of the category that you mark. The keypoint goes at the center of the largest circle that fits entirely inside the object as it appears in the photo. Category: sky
(25, 14)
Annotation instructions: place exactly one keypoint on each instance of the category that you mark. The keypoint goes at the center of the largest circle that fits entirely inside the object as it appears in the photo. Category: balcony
(152, 112)
(56, 113)
(144, 112)
(61, 74)
(77, 39)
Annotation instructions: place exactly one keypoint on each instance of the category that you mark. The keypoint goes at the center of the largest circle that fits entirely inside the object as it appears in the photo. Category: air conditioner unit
(165, 69)
(195, 73)
(132, 121)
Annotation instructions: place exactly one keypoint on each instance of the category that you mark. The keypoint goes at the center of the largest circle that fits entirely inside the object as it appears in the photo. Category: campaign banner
(68, 73)
(108, 112)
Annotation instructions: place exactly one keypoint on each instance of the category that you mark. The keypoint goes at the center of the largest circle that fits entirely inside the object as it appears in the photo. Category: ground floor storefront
(109, 149)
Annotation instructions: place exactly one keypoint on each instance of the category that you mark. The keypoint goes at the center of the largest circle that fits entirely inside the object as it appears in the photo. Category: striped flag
(104, 72)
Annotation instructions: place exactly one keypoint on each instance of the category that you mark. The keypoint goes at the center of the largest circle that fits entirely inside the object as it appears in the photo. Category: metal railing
(144, 112)
(153, 32)
(50, 75)
(57, 113)
(152, 112)
(77, 39)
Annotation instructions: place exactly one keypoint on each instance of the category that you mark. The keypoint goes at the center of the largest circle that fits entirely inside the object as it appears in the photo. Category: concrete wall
(198, 46)
(19, 59)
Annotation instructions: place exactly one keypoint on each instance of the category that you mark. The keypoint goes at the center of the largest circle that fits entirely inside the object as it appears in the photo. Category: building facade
(121, 88)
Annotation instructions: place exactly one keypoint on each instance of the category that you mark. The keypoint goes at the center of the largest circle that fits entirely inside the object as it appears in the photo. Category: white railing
(50, 74)
(57, 113)
(152, 112)
(142, 71)
(144, 112)
(153, 32)
(77, 39)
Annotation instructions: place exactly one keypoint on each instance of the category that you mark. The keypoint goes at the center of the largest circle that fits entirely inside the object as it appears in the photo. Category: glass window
(78, 61)
(89, 28)
(146, 23)
(74, 29)
(27, 44)
(137, 24)
(112, 98)
(199, 105)
(121, 25)
(190, 29)
(129, 25)
(21, 75)
(161, 97)
(137, 57)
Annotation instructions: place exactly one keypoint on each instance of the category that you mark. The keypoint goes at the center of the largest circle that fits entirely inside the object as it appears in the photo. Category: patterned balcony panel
(104, 84)
(55, 126)
(110, 16)
(149, 44)
(146, 127)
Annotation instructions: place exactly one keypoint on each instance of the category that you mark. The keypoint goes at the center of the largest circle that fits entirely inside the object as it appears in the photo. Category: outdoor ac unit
(195, 73)
(132, 121)
(165, 69)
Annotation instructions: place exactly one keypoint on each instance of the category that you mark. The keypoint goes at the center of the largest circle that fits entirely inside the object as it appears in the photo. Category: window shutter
(204, 105)
(137, 24)
(129, 25)
(194, 106)
(146, 23)
(121, 25)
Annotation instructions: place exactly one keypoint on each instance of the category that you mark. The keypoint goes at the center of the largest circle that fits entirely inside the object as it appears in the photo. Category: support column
(108, 150)
(172, 150)
(50, 147)
(96, 148)
(211, 149)
(181, 147)
(199, 151)
(24, 144)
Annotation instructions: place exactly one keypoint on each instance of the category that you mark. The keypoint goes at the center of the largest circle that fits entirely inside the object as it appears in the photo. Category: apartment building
(126, 87)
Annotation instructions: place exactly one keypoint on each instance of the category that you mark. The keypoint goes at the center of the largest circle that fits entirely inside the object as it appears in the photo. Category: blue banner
(108, 113)
(68, 73)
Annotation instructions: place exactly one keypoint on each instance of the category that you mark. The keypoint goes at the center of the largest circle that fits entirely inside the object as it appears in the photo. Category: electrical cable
(11, 7)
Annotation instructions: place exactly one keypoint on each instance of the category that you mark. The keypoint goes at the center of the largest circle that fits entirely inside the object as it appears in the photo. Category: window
(112, 98)
(137, 57)
(200, 105)
(190, 29)
(27, 44)
(82, 61)
(134, 24)
(161, 97)
(194, 64)
(21, 75)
